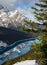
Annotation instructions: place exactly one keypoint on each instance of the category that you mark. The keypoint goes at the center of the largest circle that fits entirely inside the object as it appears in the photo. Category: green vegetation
(40, 50)
(9, 62)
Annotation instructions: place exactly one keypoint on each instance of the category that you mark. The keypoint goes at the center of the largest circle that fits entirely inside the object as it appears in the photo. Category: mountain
(12, 19)
(17, 16)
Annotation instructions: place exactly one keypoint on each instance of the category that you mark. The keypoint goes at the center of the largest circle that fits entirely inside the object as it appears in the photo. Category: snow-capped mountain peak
(15, 17)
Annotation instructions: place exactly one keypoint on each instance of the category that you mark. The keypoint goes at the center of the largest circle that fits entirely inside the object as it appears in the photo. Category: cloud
(25, 1)
(8, 3)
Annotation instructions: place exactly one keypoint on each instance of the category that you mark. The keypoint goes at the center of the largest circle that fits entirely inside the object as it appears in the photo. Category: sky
(24, 5)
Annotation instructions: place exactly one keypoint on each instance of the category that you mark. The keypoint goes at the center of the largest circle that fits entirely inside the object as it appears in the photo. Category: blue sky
(24, 5)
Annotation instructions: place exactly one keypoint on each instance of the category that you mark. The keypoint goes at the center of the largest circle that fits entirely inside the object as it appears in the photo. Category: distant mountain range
(11, 18)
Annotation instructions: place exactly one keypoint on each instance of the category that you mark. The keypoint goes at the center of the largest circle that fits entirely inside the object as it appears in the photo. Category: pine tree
(41, 15)
(40, 12)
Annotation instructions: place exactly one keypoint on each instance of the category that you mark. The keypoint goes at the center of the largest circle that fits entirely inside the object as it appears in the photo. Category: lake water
(13, 54)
